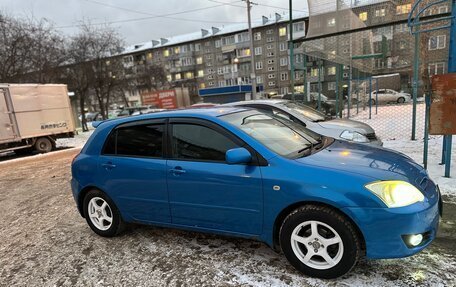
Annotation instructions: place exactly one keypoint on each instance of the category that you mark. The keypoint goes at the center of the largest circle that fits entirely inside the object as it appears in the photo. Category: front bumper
(383, 228)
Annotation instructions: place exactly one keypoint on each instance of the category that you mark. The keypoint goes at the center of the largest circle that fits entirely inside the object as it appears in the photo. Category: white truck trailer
(33, 117)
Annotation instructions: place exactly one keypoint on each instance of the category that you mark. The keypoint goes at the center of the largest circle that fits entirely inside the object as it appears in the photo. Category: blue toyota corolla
(240, 172)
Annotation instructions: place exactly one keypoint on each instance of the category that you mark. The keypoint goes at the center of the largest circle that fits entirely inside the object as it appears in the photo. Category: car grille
(371, 137)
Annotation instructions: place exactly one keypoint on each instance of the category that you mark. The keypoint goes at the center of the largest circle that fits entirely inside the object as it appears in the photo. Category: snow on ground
(78, 141)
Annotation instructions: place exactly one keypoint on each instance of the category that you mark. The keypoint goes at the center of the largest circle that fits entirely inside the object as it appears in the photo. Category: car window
(308, 112)
(196, 142)
(139, 140)
(283, 137)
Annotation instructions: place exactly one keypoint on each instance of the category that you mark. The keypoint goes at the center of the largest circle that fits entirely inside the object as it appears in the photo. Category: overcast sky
(66, 14)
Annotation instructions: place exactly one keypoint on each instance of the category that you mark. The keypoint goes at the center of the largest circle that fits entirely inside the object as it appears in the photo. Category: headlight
(354, 136)
(396, 193)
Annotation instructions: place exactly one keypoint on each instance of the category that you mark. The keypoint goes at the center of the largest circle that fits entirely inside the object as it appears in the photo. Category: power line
(153, 16)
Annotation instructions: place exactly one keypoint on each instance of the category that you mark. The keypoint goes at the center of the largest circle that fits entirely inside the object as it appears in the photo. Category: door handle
(108, 166)
(177, 170)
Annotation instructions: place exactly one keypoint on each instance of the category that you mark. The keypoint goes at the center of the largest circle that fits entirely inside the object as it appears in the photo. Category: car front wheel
(320, 242)
(101, 214)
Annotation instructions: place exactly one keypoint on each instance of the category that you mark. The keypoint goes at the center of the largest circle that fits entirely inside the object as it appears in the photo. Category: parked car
(241, 172)
(91, 116)
(147, 111)
(327, 106)
(126, 112)
(388, 96)
(314, 120)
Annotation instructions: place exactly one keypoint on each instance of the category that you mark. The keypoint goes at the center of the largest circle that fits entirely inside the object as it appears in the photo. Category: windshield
(280, 136)
(311, 114)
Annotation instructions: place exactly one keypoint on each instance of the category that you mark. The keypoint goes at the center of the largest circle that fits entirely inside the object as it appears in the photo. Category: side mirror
(238, 156)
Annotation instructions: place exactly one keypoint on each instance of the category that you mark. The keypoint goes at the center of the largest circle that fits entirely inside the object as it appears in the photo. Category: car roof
(200, 113)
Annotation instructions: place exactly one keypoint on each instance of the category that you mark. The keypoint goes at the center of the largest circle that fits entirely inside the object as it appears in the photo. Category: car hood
(373, 162)
(345, 124)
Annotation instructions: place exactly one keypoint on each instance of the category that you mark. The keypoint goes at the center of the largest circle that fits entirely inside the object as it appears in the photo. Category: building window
(258, 65)
(199, 60)
(245, 52)
(177, 76)
(189, 75)
(271, 69)
(403, 9)
(257, 36)
(166, 53)
(402, 28)
(271, 83)
(197, 47)
(269, 46)
(314, 72)
(283, 46)
(282, 31)
(443, 9)
(200, 73)
(202, 86)
(403, 44)
(437, 42)
(284, 90)
(208, 57)
(211, 83)
(242, 37)
(345, 75)
(149, 56)
(331, 86)
(379, 64)
(269, 32)
(270, 39)
(169, 78)
(436, 68)
(363, 16)
(210, 77)
(230, 40)
(283, 61)
(332, 55)
(332, 22)
(176, 50)
(258, 50)
(271, 54)
(298, 27)
(331, 71)
(271, 76)
(284, 76)
(218, 43)
(270, 61)
(259, 80)
(380, 12)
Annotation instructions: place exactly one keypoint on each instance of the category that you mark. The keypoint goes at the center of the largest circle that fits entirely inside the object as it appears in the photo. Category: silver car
(344, 129)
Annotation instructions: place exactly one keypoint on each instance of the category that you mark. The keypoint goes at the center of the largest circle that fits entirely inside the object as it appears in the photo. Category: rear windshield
(311, 114)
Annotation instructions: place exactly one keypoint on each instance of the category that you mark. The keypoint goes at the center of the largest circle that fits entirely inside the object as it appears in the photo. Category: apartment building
(220, 56)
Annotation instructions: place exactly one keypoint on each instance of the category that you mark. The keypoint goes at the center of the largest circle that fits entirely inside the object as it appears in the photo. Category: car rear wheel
(319, 242)
(43, 145)
(372, 102)
(101, 214)
(401, 100)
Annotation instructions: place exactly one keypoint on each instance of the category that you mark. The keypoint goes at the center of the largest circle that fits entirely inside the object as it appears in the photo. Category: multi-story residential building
(220, 57)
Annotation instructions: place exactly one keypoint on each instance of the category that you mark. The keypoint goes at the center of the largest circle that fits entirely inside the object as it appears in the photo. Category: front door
(205, 191)
(132, 170)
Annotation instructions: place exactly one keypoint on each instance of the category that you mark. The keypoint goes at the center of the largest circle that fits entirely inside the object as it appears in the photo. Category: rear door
(6, 118)
(132, 170)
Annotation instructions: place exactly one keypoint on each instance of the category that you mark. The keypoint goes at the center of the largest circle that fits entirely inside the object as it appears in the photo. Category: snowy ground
(45, 242)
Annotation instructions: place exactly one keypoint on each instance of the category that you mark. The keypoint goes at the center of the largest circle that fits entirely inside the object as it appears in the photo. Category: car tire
(372, 102)
(101, 214)
(320, 242)
(43, 145)
(401, 100)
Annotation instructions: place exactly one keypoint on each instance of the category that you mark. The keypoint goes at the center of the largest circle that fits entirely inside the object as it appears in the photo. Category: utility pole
(252, 52)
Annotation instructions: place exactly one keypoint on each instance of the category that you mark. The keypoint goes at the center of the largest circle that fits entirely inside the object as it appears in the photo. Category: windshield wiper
(312, 146)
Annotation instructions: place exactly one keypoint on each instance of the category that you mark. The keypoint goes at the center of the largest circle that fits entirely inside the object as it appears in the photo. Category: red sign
(161, 99)
(443, 105)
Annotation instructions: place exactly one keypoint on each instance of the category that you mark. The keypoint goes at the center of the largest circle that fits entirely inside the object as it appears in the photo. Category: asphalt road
(45, 242)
